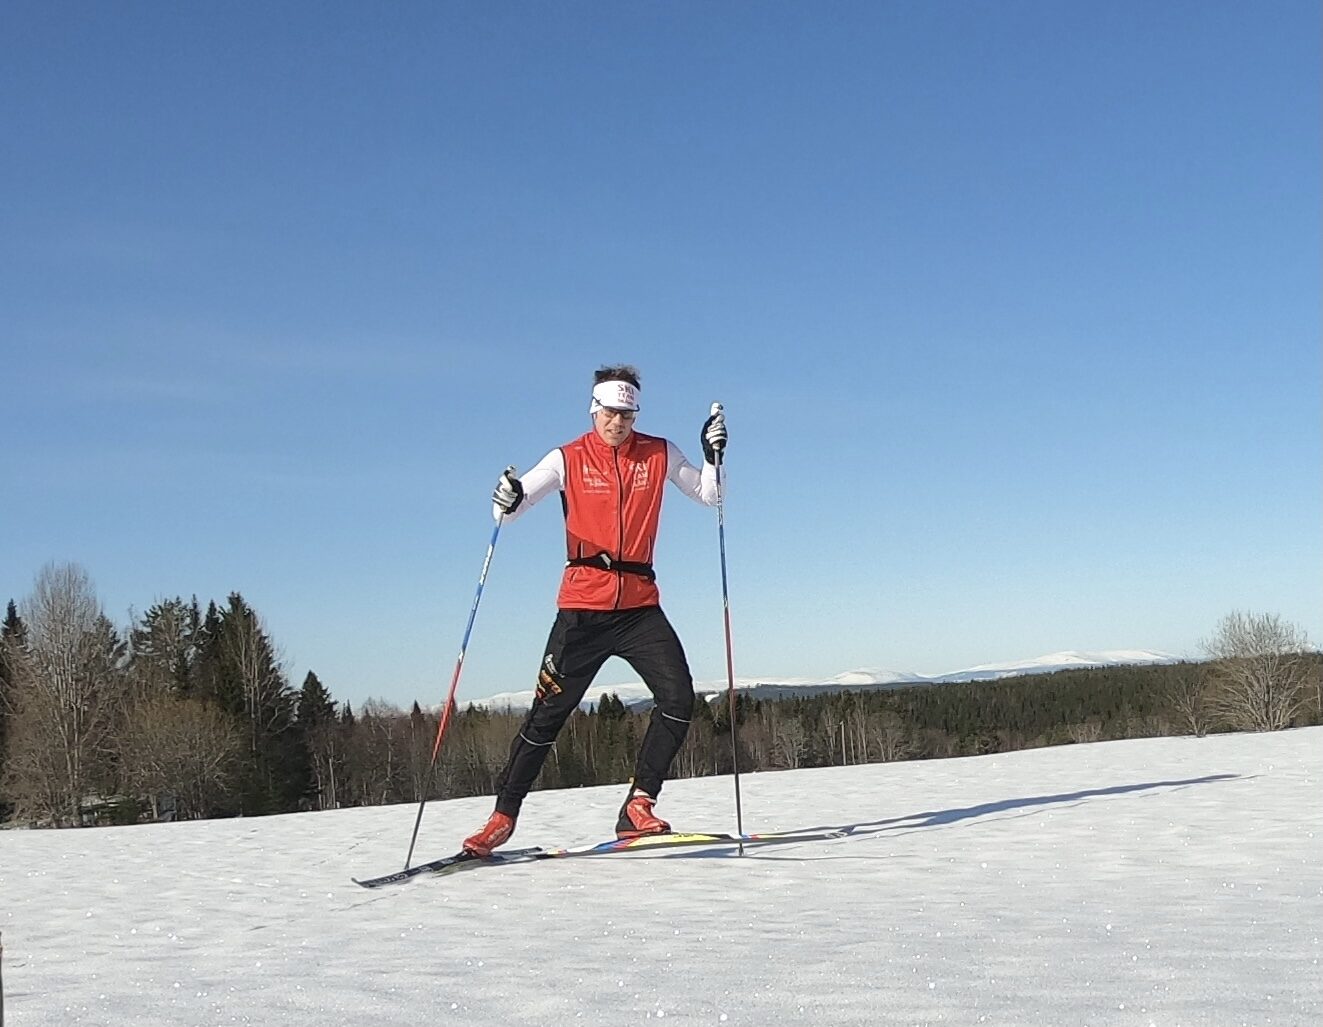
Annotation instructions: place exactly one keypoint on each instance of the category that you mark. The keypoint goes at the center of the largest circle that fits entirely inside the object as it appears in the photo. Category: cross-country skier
(611, 482)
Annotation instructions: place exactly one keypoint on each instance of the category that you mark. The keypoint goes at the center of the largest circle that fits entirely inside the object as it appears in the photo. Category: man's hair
(619, 373)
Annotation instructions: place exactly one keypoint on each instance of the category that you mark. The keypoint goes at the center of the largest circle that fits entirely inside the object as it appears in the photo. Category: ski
(647, 843)
(461, 860)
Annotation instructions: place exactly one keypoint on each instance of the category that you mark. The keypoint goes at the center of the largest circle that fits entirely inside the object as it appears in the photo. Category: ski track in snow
(1150, 882)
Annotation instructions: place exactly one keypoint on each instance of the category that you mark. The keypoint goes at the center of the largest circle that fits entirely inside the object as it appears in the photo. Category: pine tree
(164, 647)
(320, 734)
(611, 708)
(315, 705)
(238, 670)
(209, 682)
(13, 646)
(350, 754)
(612, 751)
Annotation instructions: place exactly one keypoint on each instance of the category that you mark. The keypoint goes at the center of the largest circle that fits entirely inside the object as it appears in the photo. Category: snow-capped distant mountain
(1070, 660)
(636, 696)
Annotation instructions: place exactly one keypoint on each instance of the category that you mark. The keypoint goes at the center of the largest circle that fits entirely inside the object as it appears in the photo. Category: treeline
(189, 714)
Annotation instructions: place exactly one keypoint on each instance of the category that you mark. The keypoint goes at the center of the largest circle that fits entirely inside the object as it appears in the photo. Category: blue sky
(1014, 308)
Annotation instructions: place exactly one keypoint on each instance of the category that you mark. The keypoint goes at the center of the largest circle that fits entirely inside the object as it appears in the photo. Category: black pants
(580, 642)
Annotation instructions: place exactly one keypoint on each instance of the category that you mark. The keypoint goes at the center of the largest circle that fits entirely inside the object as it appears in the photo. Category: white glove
(509, 493)
(714, 434)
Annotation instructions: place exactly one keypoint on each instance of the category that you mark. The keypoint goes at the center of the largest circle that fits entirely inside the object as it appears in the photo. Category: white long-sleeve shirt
(548, 476)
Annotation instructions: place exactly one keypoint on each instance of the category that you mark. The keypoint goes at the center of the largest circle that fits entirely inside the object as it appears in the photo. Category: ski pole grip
(509, 473)
(717, 451)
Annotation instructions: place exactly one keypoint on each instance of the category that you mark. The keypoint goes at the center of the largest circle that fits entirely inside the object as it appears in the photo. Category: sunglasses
(624, 415)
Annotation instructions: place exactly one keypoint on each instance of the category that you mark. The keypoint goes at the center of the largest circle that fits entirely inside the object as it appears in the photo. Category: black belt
(603, 561)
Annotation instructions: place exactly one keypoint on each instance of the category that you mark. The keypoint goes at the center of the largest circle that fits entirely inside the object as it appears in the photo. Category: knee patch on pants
(677, 705)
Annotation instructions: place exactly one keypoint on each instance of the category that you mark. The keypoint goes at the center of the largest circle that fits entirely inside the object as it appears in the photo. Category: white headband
(614, 395)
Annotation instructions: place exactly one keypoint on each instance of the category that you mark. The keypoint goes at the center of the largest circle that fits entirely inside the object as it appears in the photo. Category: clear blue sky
(1014, 308)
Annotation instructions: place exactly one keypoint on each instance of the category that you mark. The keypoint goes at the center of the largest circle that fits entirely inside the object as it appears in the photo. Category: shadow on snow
(941, 818)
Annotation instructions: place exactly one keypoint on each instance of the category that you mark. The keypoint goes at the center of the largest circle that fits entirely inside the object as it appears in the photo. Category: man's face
(614, 426)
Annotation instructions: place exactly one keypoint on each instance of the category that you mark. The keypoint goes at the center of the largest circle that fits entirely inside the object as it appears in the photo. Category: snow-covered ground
(1162, 881)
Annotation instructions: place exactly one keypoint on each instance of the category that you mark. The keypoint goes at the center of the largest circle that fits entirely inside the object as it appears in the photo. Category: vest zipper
(620, 526)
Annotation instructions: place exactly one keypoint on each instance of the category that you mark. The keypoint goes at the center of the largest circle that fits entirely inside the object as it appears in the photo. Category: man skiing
(611, 482)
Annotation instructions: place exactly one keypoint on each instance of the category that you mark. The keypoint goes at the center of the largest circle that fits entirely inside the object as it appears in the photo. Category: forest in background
(188, 714)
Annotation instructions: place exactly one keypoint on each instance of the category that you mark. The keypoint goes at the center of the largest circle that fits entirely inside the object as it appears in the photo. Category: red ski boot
(637, 819)
(496, 831)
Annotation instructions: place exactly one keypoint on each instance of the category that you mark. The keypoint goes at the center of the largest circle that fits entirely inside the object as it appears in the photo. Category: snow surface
(636, 694)
(1150, 882)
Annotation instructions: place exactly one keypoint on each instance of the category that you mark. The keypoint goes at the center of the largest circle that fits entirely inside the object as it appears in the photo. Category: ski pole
(730, 659)
(454, 683)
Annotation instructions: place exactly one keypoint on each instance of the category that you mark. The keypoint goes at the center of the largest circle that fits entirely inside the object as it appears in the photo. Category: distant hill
(635, 695)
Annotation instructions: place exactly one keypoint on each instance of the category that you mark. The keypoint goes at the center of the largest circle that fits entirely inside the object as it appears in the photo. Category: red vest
(612, 499)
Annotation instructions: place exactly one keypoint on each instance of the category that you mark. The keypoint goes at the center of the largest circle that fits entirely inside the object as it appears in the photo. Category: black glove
(508, 495)
(714, 434)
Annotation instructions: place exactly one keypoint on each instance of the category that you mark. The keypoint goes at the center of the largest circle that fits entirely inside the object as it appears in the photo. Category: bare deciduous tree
(181, 747)
(422, 735)
(1260, 670)
(894, 739)
(326, 753)
(34, 765)
(1089, 731)
(789, 742)
(381, 760)
(473, 753)
(67, 701)
(1191, 699)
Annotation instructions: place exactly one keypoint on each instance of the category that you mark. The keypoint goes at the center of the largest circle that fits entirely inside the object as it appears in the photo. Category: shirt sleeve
(698, 485)
(539, 481)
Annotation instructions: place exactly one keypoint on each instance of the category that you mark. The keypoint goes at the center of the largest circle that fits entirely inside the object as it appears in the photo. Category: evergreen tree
(610, 708)
(208, 681)
(238, 671)
(164, 648)
(349, 756)
(615, 744)
(315, 705)
(13, 646)
(319, 732)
